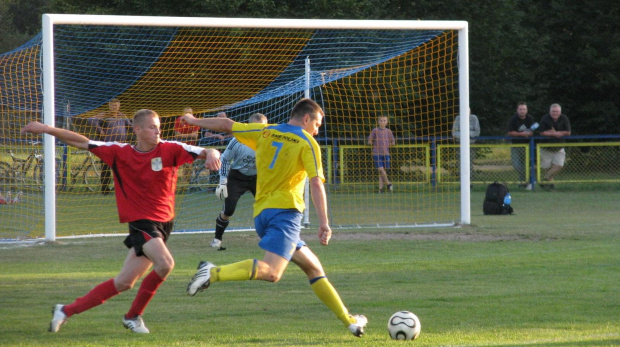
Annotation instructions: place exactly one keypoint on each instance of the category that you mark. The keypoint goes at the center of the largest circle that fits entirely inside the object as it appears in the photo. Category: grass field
(547, 276)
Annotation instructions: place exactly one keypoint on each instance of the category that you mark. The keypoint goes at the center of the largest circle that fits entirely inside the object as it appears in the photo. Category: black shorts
(237, 185)
(143, 230)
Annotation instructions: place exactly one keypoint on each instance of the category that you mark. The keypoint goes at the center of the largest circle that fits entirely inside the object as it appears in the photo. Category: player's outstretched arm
(319, 199)
(66, 136)
(212, 159)
(222, 125)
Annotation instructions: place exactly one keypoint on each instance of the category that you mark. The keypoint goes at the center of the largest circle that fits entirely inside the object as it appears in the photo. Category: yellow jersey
(285, 156)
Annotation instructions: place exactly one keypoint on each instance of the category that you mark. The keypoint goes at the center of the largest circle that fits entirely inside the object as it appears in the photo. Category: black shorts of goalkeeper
(143, 230)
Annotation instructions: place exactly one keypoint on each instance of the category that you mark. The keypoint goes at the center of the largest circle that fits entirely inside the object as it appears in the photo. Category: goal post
(356, 69)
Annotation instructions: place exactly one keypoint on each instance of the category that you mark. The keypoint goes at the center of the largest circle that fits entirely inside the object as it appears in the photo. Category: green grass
(547, 276)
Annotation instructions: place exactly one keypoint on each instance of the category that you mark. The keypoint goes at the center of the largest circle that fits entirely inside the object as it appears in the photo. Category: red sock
(95, 297)
(147, 290)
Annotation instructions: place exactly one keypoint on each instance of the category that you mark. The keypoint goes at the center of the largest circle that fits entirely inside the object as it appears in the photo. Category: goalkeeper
(237, 176)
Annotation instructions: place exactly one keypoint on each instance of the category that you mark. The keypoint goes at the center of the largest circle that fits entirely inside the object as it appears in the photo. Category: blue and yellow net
(411, 76)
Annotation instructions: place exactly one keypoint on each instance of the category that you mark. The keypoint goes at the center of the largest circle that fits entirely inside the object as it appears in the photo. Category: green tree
(581, 61)
(19, 22)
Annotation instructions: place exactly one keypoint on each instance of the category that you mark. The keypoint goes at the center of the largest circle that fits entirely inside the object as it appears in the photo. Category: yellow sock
(241, 271)
(324, 290)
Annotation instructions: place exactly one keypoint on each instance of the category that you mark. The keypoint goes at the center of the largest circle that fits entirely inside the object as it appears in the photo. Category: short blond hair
(141, 115)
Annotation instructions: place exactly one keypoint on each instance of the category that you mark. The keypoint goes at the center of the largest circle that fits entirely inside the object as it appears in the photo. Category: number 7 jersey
(285, 156)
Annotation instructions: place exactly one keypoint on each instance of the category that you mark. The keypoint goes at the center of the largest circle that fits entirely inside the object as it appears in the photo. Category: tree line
(537, 51)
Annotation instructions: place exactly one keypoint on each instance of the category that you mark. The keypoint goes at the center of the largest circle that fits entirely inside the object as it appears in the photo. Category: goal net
(96, 71)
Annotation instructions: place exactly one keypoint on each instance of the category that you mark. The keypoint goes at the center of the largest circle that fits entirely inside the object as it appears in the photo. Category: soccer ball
(404, 325)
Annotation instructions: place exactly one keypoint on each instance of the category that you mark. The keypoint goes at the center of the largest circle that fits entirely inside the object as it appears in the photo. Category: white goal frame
(49, 20)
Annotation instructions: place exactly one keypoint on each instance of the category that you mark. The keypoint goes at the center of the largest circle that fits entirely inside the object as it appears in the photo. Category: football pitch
(547, 276)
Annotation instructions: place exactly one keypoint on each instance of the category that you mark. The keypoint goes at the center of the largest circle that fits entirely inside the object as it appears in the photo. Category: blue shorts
(279, 231)
(381, 161)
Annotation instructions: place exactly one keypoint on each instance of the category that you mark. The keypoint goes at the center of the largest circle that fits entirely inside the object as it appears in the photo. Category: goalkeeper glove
(221, 191)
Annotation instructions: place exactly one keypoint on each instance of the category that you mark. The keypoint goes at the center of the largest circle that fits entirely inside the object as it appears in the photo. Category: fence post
(336, 167)
(433, 162)
(532, 149)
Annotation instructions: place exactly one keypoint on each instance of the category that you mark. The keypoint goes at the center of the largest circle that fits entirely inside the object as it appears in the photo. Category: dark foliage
(541, 52)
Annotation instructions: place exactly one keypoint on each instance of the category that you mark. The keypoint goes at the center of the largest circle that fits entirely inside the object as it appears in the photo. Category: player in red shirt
(184, 132)
(145, 176)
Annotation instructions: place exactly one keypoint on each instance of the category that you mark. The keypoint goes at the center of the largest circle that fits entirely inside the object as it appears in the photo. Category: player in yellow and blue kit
(286, 154)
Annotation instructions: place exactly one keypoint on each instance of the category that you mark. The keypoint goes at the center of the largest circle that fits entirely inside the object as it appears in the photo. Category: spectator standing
(521, 126)
(474, 131)
(381, 139)
(556, 126)
(188, 134)
(184, 132)
(110, 126)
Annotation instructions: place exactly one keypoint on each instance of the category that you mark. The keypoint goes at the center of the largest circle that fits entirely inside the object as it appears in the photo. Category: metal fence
(434, 161)
(589, 159)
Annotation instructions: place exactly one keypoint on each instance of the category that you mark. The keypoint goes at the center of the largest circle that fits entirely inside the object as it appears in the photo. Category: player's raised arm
(66, 136)
(223, 125)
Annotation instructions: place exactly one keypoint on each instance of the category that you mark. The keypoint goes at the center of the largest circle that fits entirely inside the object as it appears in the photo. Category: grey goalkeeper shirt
(240, 157)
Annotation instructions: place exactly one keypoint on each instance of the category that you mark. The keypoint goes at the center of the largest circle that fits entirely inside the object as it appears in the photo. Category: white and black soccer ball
(404, 325)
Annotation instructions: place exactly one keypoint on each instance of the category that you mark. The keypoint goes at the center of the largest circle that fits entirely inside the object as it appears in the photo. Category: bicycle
(25, 172)
(5, 174)
(88, 172)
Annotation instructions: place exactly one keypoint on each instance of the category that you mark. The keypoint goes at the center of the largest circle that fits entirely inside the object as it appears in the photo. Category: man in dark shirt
(521, 126)
(555, 125)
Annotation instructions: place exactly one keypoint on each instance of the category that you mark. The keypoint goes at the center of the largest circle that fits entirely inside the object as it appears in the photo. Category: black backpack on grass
(494, 199)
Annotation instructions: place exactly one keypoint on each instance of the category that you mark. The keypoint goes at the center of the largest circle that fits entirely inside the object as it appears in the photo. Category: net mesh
(410, 76)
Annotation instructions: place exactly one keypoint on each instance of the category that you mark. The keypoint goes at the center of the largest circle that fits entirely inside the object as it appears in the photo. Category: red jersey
(184, 128)
(145, 182)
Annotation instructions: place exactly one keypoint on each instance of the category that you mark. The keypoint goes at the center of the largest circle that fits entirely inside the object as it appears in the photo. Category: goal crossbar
(54, 19)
